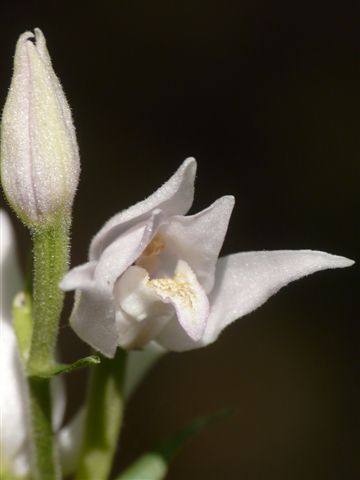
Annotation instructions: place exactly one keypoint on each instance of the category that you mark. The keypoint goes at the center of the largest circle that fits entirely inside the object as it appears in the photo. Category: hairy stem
(51, 254)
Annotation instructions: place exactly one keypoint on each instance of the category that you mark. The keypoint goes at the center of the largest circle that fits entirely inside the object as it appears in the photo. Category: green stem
(50, 263)
(44, 461)
(51, 254)
(103, 418)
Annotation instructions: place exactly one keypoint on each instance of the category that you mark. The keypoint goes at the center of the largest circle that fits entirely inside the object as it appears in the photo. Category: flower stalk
(105, 406)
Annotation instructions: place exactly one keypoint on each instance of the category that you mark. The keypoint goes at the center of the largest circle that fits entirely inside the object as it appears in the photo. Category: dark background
(266, 96)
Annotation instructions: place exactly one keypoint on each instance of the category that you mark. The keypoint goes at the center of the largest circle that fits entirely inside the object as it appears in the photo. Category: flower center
(177, 286)
(156, 245)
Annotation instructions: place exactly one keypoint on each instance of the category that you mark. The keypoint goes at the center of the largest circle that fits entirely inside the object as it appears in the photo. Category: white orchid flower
(154, 275)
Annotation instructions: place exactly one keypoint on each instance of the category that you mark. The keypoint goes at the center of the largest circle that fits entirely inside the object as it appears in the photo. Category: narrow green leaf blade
(154, 465)
(61, 368)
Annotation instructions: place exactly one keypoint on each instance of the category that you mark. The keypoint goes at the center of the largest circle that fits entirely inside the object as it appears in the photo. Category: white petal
(13, 431)
(93, 319)
(115, 259)
(18, 100)
(10, 283)
(197, 239)
(141, 314)
(187, 296)
(123, 251)
(175, 339)
(175, 197)
(44, 54)
(144, 305)
(79, 277)
(93, 314)
(244, 281)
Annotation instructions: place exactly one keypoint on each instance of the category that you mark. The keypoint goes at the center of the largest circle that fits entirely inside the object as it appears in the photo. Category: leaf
(61, 368)
(154, 465)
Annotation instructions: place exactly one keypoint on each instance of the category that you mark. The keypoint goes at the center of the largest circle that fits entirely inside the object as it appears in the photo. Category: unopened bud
(39, 153)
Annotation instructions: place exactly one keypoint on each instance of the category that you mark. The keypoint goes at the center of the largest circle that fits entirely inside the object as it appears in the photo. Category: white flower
(39, 154)
(14, 434)
(154, 274)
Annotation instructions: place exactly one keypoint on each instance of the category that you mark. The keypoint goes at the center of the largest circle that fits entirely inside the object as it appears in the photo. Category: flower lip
(144, 301)
(185, 293)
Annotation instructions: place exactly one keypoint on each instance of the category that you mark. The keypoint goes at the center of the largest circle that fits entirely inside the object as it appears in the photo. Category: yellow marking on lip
(175, 287)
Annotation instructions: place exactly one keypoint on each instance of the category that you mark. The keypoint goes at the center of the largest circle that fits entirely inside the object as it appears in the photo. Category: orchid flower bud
(39, 153)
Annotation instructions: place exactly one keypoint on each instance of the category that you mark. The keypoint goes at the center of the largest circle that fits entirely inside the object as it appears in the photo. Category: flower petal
(93, 319)
(44, 54)
(244, 281)
(187, 296)
(13, 431)
(123, 251)
(141, 314)
(175, 197)
(144, 305)
(197, 239)
(10, 283)
(79, 277)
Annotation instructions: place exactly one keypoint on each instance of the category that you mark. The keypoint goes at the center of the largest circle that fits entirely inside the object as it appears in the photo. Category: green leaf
(154, 465)
(61, 368)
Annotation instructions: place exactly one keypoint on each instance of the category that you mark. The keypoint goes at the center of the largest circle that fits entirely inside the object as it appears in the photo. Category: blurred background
(266, 96)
